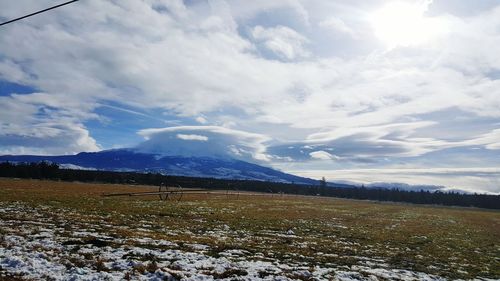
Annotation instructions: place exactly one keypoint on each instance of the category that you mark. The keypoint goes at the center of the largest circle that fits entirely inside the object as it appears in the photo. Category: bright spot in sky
(405, 24)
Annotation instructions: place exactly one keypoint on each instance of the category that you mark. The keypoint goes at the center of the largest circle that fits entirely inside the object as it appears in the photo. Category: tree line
(51, 171)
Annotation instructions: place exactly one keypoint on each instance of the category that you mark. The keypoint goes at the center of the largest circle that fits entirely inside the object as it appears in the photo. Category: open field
(68, 231)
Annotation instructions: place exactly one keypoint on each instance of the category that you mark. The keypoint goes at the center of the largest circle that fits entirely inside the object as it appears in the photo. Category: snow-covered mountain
(133, 160)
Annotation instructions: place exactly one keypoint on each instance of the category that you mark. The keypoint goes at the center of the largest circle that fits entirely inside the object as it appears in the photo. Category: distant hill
(131, 160)
(404, 186)
(397, 185)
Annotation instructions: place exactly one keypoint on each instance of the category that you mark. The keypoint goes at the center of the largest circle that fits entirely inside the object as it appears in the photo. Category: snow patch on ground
(40, 248)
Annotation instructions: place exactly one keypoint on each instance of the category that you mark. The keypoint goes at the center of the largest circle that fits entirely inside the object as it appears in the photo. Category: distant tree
(322, 182)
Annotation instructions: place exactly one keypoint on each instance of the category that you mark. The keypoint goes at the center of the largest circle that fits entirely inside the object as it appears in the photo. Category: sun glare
(404, 24)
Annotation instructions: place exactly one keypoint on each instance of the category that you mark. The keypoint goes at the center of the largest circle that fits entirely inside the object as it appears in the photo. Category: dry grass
(450, 242)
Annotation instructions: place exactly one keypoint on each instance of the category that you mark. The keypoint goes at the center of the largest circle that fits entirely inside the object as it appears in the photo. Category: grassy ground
(448, 242)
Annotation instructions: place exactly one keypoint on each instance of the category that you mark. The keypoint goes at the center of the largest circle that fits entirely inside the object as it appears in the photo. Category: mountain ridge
(133, 160)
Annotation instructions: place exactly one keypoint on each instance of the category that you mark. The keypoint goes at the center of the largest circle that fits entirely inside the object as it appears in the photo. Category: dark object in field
(92, 241)
(97, 242)
(164, 192)
(175, 193)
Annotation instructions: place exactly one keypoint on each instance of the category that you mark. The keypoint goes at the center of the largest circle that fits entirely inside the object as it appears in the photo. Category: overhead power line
(39, 12)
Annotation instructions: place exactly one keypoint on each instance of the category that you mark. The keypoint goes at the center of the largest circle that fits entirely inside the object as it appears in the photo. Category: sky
(357, 91)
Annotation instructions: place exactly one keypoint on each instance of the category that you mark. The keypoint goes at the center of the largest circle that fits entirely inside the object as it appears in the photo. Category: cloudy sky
(365, 91)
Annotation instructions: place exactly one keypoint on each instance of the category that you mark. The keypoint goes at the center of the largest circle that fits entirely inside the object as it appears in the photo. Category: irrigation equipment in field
(165, 192)
(175, 193)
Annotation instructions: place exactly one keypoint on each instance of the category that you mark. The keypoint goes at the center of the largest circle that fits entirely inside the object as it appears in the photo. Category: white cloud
(245, 10)
(386, 140)
(33, 124)
(322, 155)
(46, 138)
(11, 71)
(483, 180)
(201, 120)
(205, 68)
(204, 141)
(338, 25)
(490, 140)
(192, 137)
(285, 42)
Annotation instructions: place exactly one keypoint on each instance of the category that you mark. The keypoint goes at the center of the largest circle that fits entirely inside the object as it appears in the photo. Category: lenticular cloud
(208, 141)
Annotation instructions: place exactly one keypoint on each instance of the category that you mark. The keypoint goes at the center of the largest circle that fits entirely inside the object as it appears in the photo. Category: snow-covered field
(67, 231)
(38, 245)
